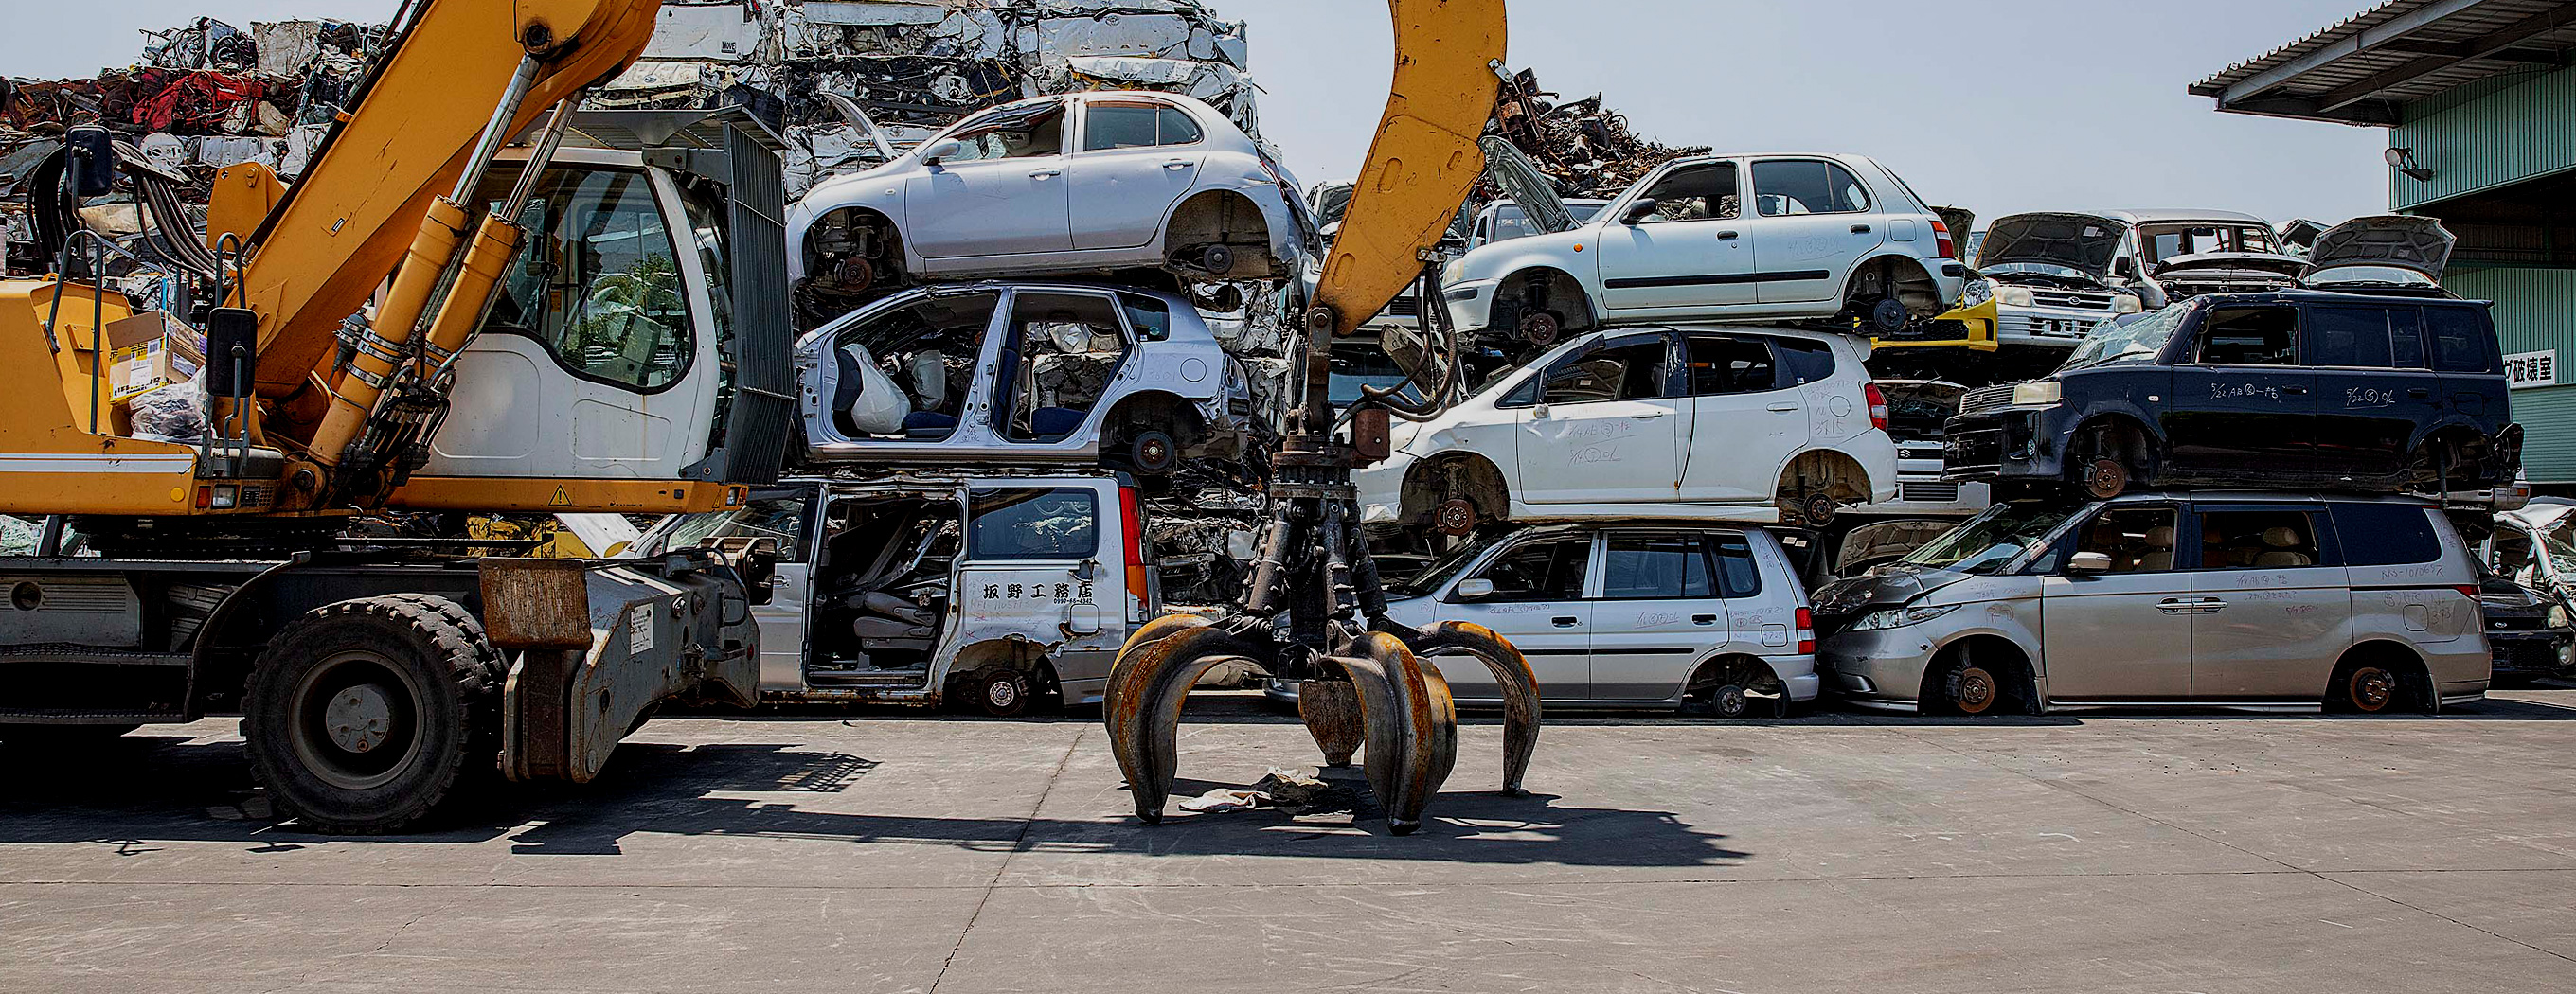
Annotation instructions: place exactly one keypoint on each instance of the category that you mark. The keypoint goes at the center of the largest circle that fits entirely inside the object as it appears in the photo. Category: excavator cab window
(597, 281)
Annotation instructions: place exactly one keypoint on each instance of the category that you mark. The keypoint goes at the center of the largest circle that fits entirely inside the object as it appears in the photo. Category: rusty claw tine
(1412, 727)
(1512, 675)
(1332, 712)
(1143, 707)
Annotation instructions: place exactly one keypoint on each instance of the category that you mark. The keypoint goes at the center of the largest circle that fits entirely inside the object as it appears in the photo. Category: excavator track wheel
(1541, 327)
(1454, 517)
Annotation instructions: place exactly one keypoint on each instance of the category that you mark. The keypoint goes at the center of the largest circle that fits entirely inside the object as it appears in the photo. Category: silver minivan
(2263, 601)
(1627, 614)
(988, 589)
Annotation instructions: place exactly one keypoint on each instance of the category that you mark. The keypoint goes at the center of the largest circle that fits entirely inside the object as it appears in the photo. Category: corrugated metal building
(2479, 98)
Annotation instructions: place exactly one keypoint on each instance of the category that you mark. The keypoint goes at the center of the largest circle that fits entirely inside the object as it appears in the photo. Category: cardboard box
(151, 349)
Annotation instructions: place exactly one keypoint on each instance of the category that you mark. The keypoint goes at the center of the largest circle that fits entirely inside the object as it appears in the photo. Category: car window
(2250, 336)
(1116, 126)
(1656, 567)
(779, 519)
(2387, 534)
(1019, 133)
(2511, 556)
(1549, 570)
(1023, 523)
(597, 279)
(2463, 341)
(2167, 241)
(1629, 369)
(2405, 338)
(1721, 364)
(1803, 362)
(1737, 576)
(2138, 539)
(1806, 186)
(1704, 192)
(1151, 318)
(2258, 539)
(2347, 336)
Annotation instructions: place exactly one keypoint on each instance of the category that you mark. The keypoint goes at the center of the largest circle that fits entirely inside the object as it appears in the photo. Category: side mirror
(1641, 210)
(942, 152)
(2089, 562)
(1475, 590)
(2125, 266)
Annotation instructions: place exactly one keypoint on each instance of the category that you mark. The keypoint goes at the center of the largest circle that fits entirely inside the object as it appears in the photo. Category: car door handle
(2173, 605)
(1783, 407)
(2294, 391)
(1860, 229)
(2419, 393)
(1651, 415)
(1725, 235)
(1567, 621)
(1178, 164)
(1045, 173)
(1703, 619)
(2210, 605)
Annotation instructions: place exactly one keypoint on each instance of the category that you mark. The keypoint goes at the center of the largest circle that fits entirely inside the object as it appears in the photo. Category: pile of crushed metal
(1587, 149)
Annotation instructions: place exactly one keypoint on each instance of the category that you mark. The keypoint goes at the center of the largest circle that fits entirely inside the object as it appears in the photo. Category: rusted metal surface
(1512, 675)
(1143, 706)
(536, 603)
(1412, 727)
(1331, 710)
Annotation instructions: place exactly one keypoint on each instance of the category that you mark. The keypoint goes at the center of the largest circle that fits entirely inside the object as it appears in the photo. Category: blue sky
(2000, 106)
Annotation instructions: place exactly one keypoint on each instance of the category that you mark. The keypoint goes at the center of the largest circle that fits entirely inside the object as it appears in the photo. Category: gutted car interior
(882, 588)
(906, 374)
(1063, 351)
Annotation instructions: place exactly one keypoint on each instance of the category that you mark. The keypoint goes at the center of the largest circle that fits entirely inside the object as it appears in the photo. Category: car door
(1603, 426)
(2271, 606)
(1002, 193)
(1537, 602)
(1659, 611)
(1040, 559)
(1813, 220)
(2122, 633)
(1689, 255)
(775, 518)
(2240, 401)
(1745, 420)
(2373, 393)
(1137, 160)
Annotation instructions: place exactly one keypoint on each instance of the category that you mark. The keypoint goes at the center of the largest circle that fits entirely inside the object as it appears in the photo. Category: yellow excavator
(477, 297)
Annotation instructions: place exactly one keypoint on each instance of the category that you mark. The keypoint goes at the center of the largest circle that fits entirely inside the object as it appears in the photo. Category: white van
(987, 588)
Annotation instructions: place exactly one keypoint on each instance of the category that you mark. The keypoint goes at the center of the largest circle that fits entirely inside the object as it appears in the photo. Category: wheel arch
(2405, 659)
(1486, 486)
(1907, 275)
(1989, 647)
(1219, 212)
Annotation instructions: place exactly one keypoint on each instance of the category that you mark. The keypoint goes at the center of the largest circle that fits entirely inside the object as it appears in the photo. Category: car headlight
(1898, 617)
(2014, 296)
(1976, 292)
(2124, 302)
(2037, 393)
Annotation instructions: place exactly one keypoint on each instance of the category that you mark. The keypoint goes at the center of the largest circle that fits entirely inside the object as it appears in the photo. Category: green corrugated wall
(2487, 134)
(2535, 309)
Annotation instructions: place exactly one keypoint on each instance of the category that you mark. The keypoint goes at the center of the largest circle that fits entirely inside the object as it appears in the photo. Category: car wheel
(1971, 689)
(1153, 452)
(1541, 327)
(1887, 316)
(2368, 688)
(1217, 260)
(1455, 517)
(999, 693)
(2105, 477)
(1818, 510)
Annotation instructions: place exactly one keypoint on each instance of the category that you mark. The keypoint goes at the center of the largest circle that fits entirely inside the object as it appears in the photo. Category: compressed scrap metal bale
(1588, 150)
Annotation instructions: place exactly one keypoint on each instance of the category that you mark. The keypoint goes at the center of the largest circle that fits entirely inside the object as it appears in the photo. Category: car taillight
(1877, 405)
(1806, 632)
(1941, 239)
(1131, 523)
(2468, 590)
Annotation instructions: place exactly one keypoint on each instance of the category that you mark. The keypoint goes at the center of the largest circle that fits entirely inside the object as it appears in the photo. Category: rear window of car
(1151, 318)
(2463, 340)
(1737, 575)
(1805, 361)
(2347, 336)
(1656, 567)
(2385, 534)
(1029, 523)
(1116, 126)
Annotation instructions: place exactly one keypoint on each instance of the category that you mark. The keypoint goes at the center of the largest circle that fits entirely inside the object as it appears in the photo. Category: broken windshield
(2129, 338)
(1991, 540)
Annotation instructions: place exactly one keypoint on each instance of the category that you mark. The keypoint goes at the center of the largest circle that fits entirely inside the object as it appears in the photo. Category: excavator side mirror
(92, 162)
(232, 351)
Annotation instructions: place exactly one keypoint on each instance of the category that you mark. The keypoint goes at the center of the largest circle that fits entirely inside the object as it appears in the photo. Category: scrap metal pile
(1587, 149)
(851, 83)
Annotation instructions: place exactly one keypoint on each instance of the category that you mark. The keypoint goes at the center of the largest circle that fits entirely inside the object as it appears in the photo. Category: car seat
(1046, 424)
(2281, 552)
(2159, 550)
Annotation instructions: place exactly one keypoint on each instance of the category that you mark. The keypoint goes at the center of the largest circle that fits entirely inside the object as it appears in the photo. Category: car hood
(1887, 586)
(1523, 183)
(2079, 241)
(2417, 243)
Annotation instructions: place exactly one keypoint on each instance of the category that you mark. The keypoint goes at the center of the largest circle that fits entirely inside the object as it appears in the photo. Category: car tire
(362, 716)
(996, 692)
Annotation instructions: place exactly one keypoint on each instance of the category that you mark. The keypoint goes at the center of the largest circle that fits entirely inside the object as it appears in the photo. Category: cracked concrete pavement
(896, 851)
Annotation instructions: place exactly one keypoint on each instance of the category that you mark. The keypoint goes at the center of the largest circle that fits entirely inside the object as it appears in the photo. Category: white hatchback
(1740, 423)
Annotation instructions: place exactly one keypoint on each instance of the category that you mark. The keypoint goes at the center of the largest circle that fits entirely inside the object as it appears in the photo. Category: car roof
(2326, 296)
(2267, 496)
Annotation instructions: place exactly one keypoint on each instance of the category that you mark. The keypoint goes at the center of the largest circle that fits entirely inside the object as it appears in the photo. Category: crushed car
(2292, 388)
(2534, 548)
(1023, 373)
(1092, 182)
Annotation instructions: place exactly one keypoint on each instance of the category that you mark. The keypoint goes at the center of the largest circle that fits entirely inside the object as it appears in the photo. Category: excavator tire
(363, 716)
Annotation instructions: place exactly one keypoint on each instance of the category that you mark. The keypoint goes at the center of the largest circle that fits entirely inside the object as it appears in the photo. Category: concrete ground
(894, 851)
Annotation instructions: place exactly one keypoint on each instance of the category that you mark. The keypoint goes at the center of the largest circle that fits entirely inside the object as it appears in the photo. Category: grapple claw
(1512, 675)
(1148, 683)
(1332, 713)
(1412, 726)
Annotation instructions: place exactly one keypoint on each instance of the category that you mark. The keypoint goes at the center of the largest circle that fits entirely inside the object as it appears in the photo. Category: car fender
(1221, 171)
(860, 190)
(1504, 260)
(2445, 421)
(1927, 266)
(2014, 621)
(2120, 407)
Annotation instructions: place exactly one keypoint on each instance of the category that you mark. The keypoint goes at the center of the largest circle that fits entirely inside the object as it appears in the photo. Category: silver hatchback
(2264, 601)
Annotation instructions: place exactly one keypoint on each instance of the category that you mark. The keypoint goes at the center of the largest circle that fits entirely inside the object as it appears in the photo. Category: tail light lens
(1941, 239)
(2468, 590)
(1806, 632)
(1131, 522)
(1877, 405)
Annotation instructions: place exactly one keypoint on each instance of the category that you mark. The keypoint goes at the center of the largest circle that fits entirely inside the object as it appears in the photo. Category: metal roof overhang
(2363, 68)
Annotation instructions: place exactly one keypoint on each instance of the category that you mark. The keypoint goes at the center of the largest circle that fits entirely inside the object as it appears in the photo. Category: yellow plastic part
(1978, 321)
(1424, 158)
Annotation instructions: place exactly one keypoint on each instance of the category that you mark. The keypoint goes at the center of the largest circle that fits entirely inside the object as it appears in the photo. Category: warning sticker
(639, 631)
(562, 497)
